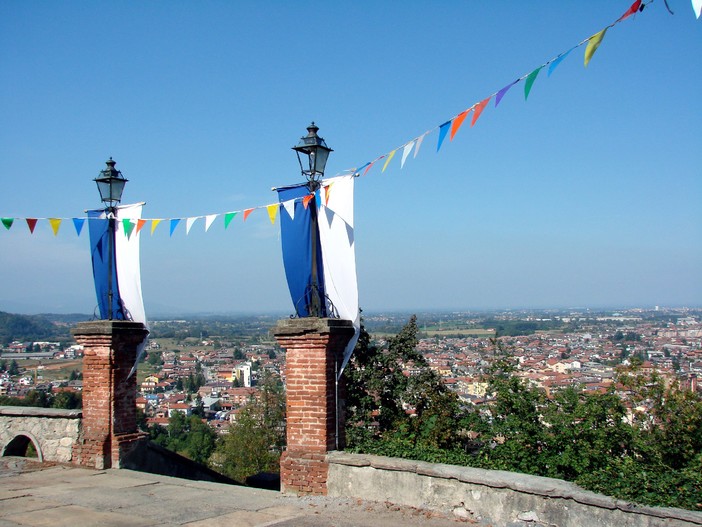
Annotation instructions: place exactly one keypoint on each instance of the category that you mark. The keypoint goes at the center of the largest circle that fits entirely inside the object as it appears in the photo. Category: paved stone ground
(38, 495)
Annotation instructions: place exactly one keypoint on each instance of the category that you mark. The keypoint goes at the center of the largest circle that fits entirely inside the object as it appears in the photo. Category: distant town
(211, 366)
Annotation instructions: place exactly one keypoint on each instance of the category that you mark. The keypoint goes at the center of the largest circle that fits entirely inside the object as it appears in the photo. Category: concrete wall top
(29, 411)
(302, 326)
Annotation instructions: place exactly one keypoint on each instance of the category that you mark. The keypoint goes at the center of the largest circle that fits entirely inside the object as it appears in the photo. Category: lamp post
(312, 154)
(110, 184)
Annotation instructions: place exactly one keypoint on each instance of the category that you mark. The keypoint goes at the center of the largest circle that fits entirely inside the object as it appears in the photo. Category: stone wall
(53, 432)
(489, 496)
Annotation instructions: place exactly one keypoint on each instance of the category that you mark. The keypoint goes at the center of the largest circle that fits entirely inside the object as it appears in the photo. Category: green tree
(256, 440)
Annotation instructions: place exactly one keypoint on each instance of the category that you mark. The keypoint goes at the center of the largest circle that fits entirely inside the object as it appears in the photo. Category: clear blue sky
(588, 194)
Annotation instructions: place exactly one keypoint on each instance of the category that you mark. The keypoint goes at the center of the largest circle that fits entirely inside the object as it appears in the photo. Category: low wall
(52, 431)
(489, 496)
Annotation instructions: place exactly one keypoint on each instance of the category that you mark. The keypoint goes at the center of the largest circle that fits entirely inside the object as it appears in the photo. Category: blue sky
(588, 194)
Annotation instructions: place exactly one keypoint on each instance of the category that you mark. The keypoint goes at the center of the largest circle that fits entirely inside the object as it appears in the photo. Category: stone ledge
(523, 483)
(30, 411)
(312, 325)
(107, 327)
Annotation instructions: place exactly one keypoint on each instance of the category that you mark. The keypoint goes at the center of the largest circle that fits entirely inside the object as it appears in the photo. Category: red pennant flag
(140, 224)
(457, 122)
(479, 109)
(247, 212)
(633, 9)
(31, 223)
(306, 200)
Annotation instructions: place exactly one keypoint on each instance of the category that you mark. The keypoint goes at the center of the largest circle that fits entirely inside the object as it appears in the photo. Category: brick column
(314, 349)
(109, 428)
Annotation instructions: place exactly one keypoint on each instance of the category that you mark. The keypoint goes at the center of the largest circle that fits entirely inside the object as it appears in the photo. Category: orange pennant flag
(55, 224)
(273, 211)
(154, 224)
(327, 191)
(458, 121)
(247, 212)
(306, 200)
(140, 224)
(479, 109)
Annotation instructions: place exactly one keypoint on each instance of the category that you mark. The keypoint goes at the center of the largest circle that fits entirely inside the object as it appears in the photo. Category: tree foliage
(644, 447)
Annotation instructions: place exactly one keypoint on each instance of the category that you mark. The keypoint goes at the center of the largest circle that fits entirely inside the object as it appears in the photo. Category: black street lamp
(312, 154)
(110, 184)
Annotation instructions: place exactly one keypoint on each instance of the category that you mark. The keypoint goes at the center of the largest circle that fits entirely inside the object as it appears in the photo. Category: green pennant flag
(128, 227)
(530, 81)
(228, 217)
(7, 222)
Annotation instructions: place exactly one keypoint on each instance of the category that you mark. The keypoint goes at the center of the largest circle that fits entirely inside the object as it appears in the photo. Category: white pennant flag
(419, 143)
(697, 6)
(406, 152)
(189, 223)
(209, 219)
(289, 206)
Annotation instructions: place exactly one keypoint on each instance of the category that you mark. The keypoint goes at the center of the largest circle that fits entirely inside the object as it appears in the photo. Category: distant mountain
(31, 328)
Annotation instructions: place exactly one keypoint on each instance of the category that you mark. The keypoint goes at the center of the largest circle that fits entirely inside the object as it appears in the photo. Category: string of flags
(448, 128)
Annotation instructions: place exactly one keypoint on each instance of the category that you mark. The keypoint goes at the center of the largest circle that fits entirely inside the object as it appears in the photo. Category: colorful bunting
(327, 192)
(530, 81)
(633, 9)
(140, 224)
(228, 217)
(174, 223)
(368, 167)
(272, 212)
(697, 7)
(247, 213)
(128, 227)
(189, 222)
(154, 224)
(387, 161)
(479, 109)
(31, 223)
(418, 145)
(55, 224)
(458, 121)
(405, 152)
(209, 220)
(555, 62)
(306, 200)
(593, 43)
(78, 224)
(7, 222)
(501, 93)
(289, 206)
(443, 130)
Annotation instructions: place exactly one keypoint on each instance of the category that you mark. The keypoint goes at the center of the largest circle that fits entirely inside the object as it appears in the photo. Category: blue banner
(103, 265)
(296, 237)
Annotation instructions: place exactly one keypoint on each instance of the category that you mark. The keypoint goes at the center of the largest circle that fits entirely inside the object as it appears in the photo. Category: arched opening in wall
(22, 446)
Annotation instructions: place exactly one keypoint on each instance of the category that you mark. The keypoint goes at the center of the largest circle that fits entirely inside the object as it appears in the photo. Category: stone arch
(18, 446)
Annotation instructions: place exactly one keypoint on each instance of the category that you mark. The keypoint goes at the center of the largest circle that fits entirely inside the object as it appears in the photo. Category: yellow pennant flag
(154, 224)
(593, 44)
(55, 224)
(273, 212)
(387, 161)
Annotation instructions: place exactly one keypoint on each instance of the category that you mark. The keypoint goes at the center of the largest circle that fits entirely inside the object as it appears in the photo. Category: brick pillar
(109, 428)
(314, 349)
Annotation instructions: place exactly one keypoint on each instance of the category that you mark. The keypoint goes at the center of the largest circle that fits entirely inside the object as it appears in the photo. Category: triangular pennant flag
(406, 152)
(174, 223)
(387, 161)
(356, 172)
(55, 224)
(458, 121)
(228, 217)
(443, 130)
(7, 222)
(189, 223)
(140, 224)
(479, 109)
(78, 224)
(593, 44)
(289, 206)
(306, 200)
(501, 93)
(247, 212)
(529, 82)
(154, 224)
(368, 167)
(557, 61)
(697, 6)
(419, 144)
(209, 220)
(633, 9)
(327, 192)
(128, 227)
(273, 212)
(318, 198)
(31, 223)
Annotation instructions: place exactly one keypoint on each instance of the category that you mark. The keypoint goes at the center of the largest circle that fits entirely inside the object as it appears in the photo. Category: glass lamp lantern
(110, 184)
(312, 154)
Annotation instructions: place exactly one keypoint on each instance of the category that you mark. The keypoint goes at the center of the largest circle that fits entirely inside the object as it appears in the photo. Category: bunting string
(448, 128)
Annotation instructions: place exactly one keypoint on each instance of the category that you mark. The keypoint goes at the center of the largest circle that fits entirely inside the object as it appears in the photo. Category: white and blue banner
(336, 258)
